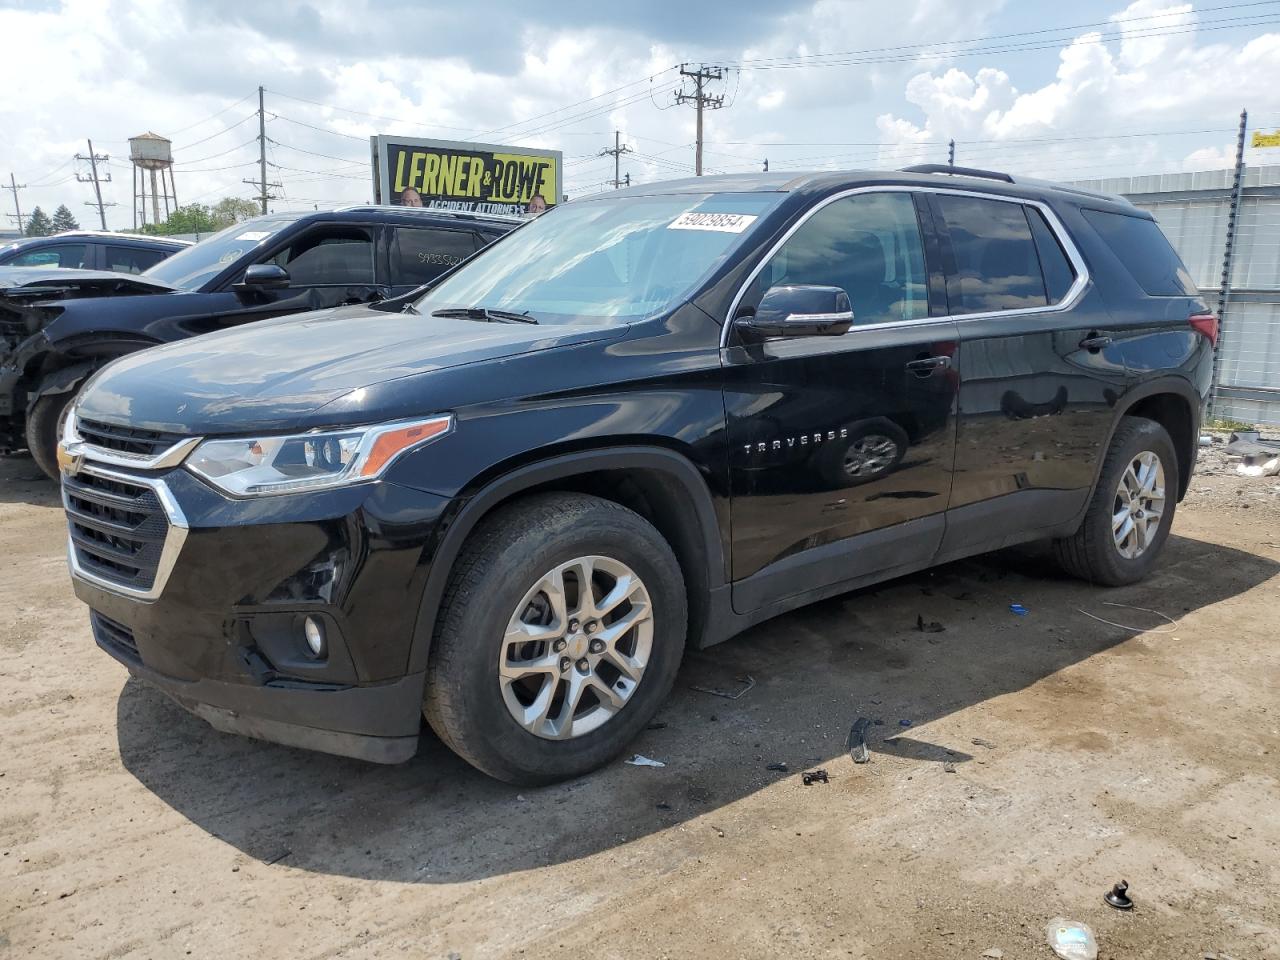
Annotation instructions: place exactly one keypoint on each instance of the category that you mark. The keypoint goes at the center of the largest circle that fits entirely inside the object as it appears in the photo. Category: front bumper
(223, 634)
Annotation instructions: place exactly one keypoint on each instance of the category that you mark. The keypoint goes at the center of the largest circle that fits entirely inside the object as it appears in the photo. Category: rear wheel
(1131, 509)
(44, 421)
(560, 633)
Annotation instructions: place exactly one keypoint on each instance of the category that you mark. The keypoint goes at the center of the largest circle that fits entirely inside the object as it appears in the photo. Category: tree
(231, 210)
(193, 218)
(39, 224)
(64, 220)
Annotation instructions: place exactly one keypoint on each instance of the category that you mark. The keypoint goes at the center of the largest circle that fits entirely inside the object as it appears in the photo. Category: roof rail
(959, 171)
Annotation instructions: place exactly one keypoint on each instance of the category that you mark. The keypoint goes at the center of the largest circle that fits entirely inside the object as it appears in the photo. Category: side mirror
(265, 276)
(802, 310)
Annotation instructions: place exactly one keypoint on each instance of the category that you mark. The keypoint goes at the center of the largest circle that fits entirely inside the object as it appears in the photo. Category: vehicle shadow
(815, 671)
(22, 482)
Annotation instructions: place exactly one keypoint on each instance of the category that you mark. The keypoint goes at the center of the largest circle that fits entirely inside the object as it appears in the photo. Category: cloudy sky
(1066, 91)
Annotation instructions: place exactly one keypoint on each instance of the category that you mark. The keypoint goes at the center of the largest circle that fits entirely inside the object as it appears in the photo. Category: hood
(278, 374)
(58, 282)
(30, 297)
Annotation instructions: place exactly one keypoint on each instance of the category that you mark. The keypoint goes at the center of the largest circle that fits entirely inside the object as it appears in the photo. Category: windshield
(610, 259)
(193, 266)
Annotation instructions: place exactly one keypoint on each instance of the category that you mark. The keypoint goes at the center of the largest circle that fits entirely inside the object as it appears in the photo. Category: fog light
(314, 633)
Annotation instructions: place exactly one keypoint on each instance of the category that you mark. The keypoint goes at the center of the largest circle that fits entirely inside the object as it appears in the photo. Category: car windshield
(192, 267)
(611, 259)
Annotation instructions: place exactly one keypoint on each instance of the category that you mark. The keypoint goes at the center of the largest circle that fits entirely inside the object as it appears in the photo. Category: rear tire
(1122, 535)
(504, 582)
(44, 418)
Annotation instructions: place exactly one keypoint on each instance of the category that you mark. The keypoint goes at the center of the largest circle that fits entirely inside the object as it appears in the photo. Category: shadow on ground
(22, 482)
(436, 820)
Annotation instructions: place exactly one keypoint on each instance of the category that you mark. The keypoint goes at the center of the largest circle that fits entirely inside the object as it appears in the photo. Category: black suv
(90, 250)
(645, 420)
(58, 327)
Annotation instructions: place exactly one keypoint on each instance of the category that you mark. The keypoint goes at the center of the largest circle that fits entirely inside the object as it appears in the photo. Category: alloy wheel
(869, 455)
(576, 648)
(1139, 505)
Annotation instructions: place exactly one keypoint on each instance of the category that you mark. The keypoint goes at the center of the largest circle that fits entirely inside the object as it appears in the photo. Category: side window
(420, 256)
(997, 267)
(329, 256)
(132, 260)
(1145, 253)
(1059, 275)
(868, 244)
(58, 255)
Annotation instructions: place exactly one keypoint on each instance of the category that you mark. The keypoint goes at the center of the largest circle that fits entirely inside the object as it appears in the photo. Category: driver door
(842, 447)
(328, 266)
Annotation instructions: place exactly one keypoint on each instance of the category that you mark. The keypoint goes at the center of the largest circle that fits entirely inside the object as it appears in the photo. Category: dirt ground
(1144, 752)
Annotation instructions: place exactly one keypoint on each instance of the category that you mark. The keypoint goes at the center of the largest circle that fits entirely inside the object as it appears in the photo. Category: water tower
(151, 152)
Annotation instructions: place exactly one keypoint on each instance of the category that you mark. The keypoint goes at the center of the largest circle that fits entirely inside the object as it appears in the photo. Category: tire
(496, 580)
(43, 421)
(1092, 553)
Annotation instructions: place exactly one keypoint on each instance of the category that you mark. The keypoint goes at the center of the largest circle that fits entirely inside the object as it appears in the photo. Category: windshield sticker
(718, 222)
(254, 235)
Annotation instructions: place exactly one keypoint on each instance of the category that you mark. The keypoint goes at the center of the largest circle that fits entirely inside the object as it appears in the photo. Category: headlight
(309, 461)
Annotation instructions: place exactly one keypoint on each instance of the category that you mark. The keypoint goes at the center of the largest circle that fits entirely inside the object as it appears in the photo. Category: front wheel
(44, 422)
(560, 633)
(1131, 510)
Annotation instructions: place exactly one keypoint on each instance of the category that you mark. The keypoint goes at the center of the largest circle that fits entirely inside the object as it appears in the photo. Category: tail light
(1205, 324)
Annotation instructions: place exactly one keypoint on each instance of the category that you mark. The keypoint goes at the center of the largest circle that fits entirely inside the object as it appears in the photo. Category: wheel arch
(1174, 404)
(660, 484)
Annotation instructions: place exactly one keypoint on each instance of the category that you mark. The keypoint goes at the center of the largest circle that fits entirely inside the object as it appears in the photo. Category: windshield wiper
(483, 313)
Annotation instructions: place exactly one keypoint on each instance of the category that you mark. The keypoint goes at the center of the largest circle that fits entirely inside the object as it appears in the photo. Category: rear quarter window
(1139, 244)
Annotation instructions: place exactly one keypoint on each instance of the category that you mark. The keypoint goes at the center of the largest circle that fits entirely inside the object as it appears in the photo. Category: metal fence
(1193, 210)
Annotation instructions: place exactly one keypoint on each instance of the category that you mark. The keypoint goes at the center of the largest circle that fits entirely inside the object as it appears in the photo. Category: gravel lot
(129, 829)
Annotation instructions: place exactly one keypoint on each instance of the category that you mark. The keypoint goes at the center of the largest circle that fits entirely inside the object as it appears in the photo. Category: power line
(196, 143)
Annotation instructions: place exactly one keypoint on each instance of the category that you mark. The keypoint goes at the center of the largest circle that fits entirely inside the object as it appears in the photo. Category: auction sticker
(717, 222)
(253, 236)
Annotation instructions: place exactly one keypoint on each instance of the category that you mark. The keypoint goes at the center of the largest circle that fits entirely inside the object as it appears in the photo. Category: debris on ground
(1118, 896)
(1170, 628)
(642, 761)
(979, 742)
(995, 953)
(856, 743)
(815, 776)
(656, 725)
(928, 626)
(904, 723)
(1071, 940)
(948, 767)
(662, 805)
(1019, 609)
(780, 767)
(748, 682)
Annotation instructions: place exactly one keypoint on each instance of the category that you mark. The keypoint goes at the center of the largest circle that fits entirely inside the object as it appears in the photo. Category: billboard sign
(467, 177)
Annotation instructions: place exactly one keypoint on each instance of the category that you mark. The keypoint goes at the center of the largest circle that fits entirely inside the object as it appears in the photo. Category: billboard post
(466, 177)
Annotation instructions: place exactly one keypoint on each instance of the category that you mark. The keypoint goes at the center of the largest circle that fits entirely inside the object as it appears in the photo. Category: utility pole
(619, 148)
(701, 101)
(93, 159)
(14, 187)
(261, 182)
(951, 154)
(766, 165)
(1224, 293)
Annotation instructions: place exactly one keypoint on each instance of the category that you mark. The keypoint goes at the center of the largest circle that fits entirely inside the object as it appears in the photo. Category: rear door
(420, 254)
(841, 446)
(1039, 370)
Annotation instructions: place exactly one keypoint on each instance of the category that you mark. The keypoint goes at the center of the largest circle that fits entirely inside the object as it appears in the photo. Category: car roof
(826, 181)
(393, 212)
(126, 238)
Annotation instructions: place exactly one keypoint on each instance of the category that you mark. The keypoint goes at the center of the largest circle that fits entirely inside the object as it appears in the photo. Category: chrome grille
(110, 436)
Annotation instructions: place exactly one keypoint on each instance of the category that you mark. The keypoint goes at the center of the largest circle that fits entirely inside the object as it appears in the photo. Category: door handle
(924, 366)
(1095, 342)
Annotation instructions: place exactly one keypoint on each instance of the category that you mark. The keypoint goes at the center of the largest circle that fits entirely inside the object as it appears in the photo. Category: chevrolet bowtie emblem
(68, 462)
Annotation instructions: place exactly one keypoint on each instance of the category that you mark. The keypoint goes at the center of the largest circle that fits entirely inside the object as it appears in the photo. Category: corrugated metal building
(1193, 209)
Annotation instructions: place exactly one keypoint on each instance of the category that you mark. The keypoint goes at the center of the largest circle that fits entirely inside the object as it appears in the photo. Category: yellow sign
(1261, 139)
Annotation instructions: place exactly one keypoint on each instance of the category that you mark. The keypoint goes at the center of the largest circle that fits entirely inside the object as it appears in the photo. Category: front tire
(44, 420)
(560, 633)
(1131, 510)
